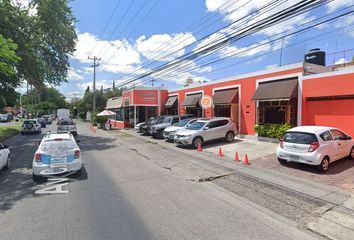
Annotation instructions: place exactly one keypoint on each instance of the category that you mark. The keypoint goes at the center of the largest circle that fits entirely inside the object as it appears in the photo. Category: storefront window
(277, 112)
(196, 111)
(222, 111)
(119, 114)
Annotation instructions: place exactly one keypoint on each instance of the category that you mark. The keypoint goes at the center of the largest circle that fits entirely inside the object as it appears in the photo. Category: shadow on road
(95, 143)
(335, 168)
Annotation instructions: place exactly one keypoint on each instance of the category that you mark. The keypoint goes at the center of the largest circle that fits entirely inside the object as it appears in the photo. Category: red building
(298, 94)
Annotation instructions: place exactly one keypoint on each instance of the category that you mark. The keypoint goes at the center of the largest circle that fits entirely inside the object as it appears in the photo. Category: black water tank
(316, 56)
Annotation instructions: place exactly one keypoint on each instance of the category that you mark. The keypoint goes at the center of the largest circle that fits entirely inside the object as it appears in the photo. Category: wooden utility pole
(95, 64)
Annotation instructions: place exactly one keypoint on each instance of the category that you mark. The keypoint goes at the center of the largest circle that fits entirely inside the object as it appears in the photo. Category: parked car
(31, 126)
(138, 127)
(4, 118)
(170, 132)
(67, 125)
(158, 128)
(202, 131)
(145, 128)
(43, 122)
(10, 117)
(5, 157)
(16, 118)
(48, 119)
(315, 145)
(57, 153)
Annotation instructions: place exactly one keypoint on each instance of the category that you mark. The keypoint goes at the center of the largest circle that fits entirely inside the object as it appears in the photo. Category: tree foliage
(45, 39)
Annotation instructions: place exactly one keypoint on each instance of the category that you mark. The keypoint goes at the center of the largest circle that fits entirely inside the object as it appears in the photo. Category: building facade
(297, 94)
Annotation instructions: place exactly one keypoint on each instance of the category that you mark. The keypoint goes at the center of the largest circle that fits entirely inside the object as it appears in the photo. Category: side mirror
(37, 143)
(5, 146)
(348, 138)
(206, 128)
(78, 140)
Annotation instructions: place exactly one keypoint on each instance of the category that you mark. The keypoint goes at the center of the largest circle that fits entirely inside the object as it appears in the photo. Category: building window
(222, 111)
(278, 112)
(119, 114)
(196, 111)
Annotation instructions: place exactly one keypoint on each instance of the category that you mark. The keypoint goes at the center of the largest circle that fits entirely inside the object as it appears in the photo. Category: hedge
(271, 130)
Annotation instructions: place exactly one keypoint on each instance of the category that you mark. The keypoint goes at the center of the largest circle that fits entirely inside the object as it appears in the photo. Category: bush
(101, 120)
(271, 130)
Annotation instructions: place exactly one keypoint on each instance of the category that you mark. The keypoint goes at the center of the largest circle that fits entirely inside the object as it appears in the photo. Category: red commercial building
(298, 94)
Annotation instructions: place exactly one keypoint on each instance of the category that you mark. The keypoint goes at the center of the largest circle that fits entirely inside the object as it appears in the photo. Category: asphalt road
(127, 190)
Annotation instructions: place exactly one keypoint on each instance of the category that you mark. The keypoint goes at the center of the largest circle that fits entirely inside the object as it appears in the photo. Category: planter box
(267, 139)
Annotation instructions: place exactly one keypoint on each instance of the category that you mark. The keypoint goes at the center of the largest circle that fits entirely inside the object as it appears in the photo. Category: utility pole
(95, 64)
(152, 82)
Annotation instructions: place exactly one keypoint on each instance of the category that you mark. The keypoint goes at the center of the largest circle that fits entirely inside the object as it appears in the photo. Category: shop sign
(206, 101)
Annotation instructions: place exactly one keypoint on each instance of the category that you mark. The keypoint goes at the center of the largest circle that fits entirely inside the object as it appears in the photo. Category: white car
(137, 126)
(5, 157)
(31, 126)
(207, 130)
(170, 132)
(57, 153)
(315, 145)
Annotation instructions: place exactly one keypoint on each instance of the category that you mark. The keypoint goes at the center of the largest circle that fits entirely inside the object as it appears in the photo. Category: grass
(9, 131)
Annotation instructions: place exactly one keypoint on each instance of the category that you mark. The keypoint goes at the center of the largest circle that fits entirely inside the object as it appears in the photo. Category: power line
(106, 25)
(205, 37)
(250, 29)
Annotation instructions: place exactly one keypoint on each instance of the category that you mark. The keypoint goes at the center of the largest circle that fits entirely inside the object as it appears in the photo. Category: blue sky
(143, 32)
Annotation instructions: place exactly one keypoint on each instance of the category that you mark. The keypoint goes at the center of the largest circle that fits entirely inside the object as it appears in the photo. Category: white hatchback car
(57, 153)
(5, 157)
(315, 145)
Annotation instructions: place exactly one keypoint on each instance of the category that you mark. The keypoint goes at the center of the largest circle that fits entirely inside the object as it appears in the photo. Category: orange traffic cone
(220, 152)
(199, 147)
(245, 160)
(236, 159)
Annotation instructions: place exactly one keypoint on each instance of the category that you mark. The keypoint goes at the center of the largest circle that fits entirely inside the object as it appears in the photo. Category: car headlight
(186, 136)
(173, 132)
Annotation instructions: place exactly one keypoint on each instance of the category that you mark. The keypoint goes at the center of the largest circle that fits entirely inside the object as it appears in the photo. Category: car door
(341, 143)
(209, 131)
(221, 128)
(330, 146)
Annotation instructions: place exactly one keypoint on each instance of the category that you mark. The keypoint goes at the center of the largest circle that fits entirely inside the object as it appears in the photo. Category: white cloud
(25, 5)
(74, 75)
(101, 83)
(164, 45)
(115, 55)
(341, 61)
(248, 51)
(272, 66)
(333, 6)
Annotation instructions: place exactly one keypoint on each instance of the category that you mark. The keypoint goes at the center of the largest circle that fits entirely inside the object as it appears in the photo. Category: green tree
(8, 57)
(45, 39)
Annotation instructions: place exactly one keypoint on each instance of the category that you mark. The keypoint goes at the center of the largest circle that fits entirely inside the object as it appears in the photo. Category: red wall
(248, 87)
(334, 113)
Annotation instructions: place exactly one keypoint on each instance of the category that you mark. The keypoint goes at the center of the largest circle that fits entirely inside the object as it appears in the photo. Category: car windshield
(299, 137)
(197, 125)
(66, 123)
(57, 145)
(155, 120)
(182, 123)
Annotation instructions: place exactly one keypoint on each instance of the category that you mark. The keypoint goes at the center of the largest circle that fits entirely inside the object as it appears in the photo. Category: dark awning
(192, 100)
(227, 96)
(171, 101)
(284, 89)
(114, 103)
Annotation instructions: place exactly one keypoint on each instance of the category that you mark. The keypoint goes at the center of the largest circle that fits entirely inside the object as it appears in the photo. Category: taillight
(314, 146)
(77, 154)
(281, 143)
(37, 157)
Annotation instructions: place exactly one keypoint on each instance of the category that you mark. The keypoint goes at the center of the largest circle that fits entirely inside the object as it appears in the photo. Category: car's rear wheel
(351, 154)
(8, 162)
(324, 166)
(196, 141)
(230, 135)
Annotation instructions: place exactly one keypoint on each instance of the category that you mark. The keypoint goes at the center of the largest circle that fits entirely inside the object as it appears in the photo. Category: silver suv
(205, 130)
(31, 126)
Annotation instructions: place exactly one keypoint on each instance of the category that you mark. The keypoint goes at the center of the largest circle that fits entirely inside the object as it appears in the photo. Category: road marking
(56, 185)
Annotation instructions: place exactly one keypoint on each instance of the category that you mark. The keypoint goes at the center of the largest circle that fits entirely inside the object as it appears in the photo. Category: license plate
(293, 157)
(57, 160)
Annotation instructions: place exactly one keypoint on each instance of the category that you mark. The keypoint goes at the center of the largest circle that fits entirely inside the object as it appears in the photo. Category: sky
(132, 37)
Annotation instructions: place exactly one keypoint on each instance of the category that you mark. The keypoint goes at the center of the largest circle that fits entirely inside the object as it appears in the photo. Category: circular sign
(206, 101)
